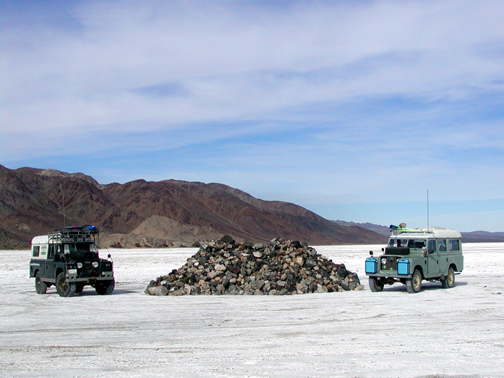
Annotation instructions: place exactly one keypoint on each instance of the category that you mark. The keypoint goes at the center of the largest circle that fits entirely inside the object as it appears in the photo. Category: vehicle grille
(88, 270)
(389, 263)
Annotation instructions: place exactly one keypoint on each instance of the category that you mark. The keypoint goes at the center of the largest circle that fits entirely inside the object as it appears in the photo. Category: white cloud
(361, 91)
(225, 56)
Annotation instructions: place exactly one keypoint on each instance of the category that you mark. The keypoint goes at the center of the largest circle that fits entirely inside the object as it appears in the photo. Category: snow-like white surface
(436, 333)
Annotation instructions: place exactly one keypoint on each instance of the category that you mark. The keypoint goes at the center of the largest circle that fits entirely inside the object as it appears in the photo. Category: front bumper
(104, 276)
(388, 267)
(389, 274)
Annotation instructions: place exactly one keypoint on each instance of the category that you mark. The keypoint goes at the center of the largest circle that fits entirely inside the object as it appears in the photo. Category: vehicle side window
(51, 251)
(432, 246)
(441, 244)
(454, 245)
(36, 251)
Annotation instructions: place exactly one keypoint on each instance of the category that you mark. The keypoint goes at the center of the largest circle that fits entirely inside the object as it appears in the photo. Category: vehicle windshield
(398, 242)
(407, 243)
(81, 250)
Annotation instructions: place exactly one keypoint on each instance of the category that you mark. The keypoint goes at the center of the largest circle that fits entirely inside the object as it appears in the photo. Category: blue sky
(351, 109)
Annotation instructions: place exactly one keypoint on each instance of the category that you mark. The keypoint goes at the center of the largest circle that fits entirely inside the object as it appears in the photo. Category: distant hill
(154, 214)
(468, 237)
(482, 236)
(382, 230)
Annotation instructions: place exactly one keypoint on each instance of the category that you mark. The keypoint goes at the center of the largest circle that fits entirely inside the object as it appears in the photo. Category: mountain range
(467, 237)
(154, 214)
(165, 213)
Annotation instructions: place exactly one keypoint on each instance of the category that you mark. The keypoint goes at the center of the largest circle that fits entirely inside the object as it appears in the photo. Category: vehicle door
(49, 266)
(432, 258)
(442, 256)
(55, 259)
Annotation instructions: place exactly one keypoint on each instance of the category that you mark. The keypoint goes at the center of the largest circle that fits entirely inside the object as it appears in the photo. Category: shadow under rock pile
(278, 268)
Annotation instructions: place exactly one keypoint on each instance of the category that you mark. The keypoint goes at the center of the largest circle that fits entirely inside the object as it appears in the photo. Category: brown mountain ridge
(156, 214)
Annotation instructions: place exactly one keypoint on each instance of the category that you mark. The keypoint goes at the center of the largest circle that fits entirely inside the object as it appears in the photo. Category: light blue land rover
(413, 255)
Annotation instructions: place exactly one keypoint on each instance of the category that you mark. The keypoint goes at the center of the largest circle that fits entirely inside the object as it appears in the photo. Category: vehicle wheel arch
(414, 284)
(448, 281)
(65, 288)
(58, 271)
(420, 269)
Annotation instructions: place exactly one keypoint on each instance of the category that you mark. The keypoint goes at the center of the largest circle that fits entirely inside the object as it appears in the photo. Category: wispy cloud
(375, 99)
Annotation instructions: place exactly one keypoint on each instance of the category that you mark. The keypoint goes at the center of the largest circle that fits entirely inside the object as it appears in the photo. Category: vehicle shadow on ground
(91, 293)
(426, 286)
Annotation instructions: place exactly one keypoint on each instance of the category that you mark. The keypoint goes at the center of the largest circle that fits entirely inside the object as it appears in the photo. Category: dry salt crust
(437, 333)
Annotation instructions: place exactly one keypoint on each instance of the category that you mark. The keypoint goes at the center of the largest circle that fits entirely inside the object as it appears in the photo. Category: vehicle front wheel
(375, 284)
(449, 281)
(64, 288)
(414, 284)
(105, 287)
(40, 286)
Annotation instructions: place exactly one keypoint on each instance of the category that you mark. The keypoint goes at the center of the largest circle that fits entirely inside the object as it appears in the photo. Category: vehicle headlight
(384, 261)
(79, 265)
(95, 264)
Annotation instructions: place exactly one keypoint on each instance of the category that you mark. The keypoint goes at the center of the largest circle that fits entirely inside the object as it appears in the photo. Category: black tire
(414, 284)
(449, 281)
(105, 287)
(64, 288)
(40, 286)
(375, 284)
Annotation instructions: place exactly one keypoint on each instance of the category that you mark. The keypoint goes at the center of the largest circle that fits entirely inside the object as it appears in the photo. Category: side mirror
(371, 253)
(109, 255)
(383, 249)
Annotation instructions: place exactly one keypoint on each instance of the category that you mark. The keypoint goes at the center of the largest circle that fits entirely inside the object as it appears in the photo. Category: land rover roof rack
(401, 229)
(73, 234)
(77, 230)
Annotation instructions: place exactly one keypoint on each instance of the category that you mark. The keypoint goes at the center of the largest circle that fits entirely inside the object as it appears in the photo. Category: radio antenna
(427, 209)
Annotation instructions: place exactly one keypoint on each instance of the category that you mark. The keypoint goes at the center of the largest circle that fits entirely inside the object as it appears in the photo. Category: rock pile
(278, 268)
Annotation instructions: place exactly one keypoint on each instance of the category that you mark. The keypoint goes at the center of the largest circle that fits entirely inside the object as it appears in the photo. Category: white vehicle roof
(44, 239)
(431, 232)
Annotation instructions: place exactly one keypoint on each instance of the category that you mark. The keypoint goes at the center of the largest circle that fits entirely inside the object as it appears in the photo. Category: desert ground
(456, 332)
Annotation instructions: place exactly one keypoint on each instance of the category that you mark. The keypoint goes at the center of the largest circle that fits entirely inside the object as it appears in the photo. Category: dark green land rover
(68, 259)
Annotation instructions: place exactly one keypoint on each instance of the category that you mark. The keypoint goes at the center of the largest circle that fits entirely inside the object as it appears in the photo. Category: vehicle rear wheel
(64, 288)
(414, 284)
(449, 281)
(40, 286)
(375, 284)
(105, 287)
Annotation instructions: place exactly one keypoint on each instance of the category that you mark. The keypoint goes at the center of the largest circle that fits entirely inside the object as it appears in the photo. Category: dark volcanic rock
(278, 268)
